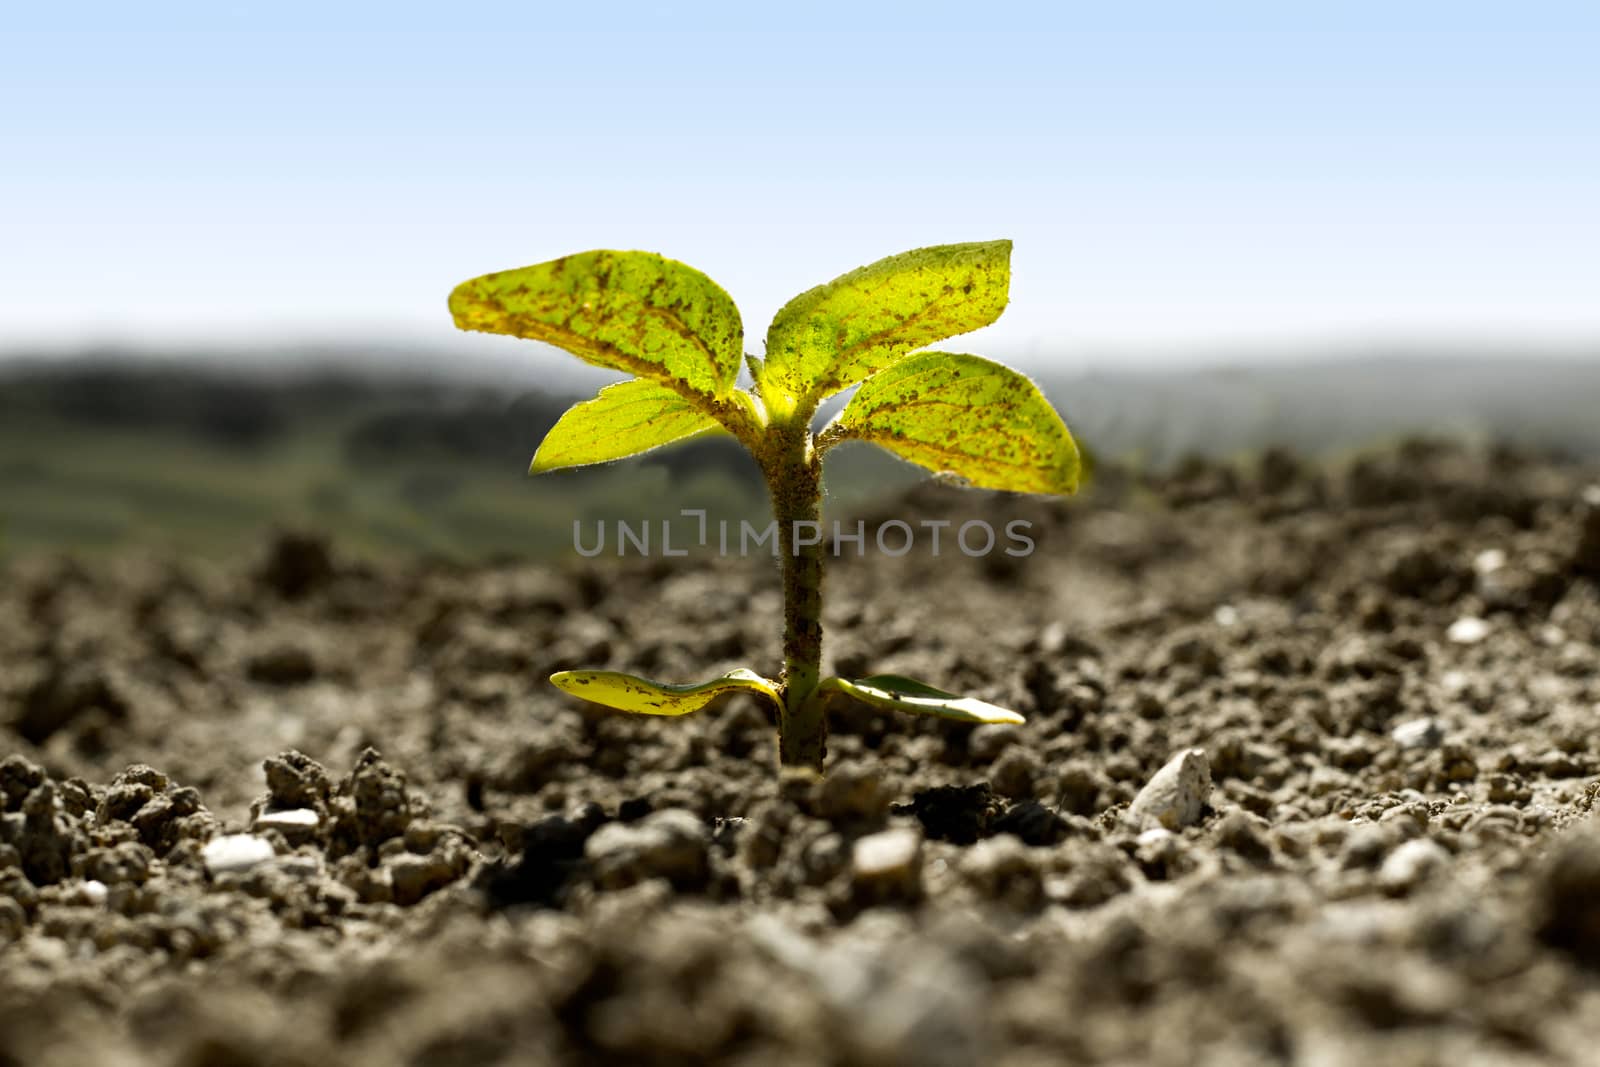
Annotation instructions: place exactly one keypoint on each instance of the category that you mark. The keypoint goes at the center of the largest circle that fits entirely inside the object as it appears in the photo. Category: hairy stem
(794, 478)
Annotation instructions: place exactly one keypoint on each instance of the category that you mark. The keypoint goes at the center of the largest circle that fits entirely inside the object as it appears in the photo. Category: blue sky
(1178, 177)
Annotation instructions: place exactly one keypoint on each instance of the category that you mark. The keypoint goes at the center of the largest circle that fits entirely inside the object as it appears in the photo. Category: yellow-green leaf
(966, 416)
(623, 420)
(893, 692)
(626, 692)
(630, 311)
(828, 339)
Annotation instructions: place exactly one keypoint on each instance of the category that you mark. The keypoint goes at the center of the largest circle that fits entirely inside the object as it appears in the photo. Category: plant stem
(794, 478)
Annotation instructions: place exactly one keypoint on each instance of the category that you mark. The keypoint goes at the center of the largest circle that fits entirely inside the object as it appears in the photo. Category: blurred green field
(93, 461)
(70, 483)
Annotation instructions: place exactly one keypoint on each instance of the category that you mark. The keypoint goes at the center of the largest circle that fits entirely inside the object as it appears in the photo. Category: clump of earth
(1309, 776)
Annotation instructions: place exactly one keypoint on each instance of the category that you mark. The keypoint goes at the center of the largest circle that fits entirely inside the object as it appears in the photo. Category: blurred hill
(1331, 405)
(428, 455)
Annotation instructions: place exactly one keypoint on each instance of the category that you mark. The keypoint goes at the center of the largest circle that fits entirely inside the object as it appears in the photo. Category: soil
(304, 811)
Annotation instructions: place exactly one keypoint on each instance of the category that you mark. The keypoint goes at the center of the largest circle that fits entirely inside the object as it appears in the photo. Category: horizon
(520, 365)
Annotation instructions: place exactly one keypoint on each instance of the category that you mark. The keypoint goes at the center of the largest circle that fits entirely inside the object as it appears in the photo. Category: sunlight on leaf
(626, 692)
(623, 420)
(831, 337)
(895, 693)
(630, 311)
(964, 417)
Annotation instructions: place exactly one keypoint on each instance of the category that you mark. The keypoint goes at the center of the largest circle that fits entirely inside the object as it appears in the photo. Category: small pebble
(1418, 733)
(1177, 793)
(888, 864)
(1467, 630)
(236, 852)
(1489, 560)
(296, 824)
(292, 817)
(1156, 835)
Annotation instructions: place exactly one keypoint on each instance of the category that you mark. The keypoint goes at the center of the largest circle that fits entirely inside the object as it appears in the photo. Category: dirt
(303, 811)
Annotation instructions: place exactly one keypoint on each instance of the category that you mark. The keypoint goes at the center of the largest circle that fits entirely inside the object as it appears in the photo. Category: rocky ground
(1308, 777)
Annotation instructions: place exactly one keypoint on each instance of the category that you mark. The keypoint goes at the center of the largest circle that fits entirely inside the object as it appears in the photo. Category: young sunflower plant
(681, 338)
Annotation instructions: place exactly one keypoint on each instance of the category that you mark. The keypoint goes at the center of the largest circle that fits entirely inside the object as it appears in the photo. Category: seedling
(681, 338)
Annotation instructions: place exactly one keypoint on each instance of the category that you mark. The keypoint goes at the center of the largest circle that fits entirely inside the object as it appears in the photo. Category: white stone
(1467, 630)
(1418, 733)
(1176, 795)
(236, 852)
(886, 856)
(1226, 615)
(290, 820)
(95, 892)
(1489, 560)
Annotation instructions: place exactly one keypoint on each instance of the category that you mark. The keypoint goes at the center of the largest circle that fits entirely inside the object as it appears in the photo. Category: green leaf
(625, 419)
(895, 693)
(630, 311)
(967, 416)
(625, 692)
(828, 339)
